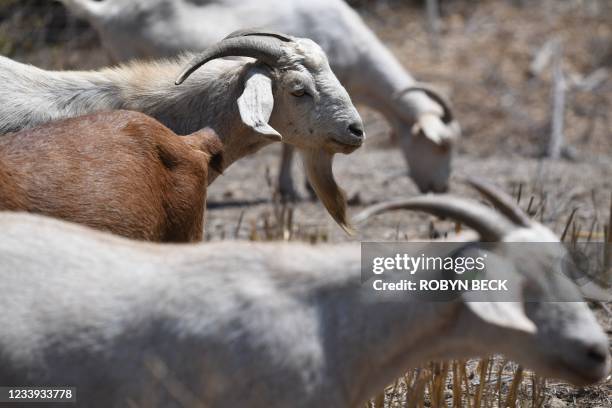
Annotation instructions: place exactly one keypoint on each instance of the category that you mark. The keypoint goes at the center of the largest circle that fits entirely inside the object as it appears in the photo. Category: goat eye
(298, 92)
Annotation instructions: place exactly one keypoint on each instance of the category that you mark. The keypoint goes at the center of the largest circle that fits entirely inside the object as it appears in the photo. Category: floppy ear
(256, 103)
(438, 132)
(488, 305)
(430, 113)
(505, 314)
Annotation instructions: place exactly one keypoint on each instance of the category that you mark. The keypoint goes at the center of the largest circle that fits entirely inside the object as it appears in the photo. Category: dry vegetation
(485, 59)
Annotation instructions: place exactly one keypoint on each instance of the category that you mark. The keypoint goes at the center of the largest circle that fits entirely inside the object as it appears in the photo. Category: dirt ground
(482, 61)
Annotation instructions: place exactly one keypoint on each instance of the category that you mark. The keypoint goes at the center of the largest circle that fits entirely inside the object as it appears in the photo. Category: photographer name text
(412, 265)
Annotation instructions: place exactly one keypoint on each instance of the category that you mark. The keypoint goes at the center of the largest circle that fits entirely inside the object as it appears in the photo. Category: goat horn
(447, 113)
(254, 32)
(488, 223)
(263, 50)
(502, 201)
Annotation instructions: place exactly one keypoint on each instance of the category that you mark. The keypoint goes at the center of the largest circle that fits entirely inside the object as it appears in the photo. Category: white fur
(237, 324)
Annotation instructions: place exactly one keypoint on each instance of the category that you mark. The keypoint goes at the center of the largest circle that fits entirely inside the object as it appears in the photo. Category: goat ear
(256, 103)
(489, 305)
(217, 162)
(215, 148)
(505, 314)
(438, 132)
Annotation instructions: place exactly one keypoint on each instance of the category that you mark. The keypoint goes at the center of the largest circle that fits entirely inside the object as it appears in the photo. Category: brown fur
(120, 171)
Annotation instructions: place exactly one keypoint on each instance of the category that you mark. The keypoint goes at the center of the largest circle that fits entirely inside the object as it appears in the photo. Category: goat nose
(597, 353)
(356, 129)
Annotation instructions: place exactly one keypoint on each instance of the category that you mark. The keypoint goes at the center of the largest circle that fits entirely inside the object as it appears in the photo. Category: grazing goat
(290, 91)
(421, 120)
(119, 171)
(244, 324)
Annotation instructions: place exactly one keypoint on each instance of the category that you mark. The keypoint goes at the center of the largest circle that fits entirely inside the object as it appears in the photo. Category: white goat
(421, 120)
(240, 324)
(291, 91)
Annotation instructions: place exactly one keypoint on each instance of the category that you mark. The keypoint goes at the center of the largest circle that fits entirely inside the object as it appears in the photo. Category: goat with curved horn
(290, 317)
(372, 74)
(299, 102)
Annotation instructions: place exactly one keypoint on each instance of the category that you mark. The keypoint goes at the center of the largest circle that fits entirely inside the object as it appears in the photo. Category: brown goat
(119, 171)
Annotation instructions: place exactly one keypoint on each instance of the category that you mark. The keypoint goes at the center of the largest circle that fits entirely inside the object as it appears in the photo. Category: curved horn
(265, 51)
(502, 201)
(261, 33)
(447, 114)
(487, 222)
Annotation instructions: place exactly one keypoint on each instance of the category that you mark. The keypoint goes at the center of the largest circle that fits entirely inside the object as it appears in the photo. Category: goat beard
(318, 166)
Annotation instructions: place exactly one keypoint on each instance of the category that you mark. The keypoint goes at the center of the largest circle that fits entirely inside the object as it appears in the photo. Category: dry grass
(490, 382)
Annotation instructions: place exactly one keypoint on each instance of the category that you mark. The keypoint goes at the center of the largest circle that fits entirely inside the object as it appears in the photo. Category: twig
(569, 222)
(592, 81)
(237, 230)
(543, 57)
(433, 24)
(556, 141)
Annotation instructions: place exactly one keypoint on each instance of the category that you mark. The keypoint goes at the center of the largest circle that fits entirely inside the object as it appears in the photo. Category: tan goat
(119, 171)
